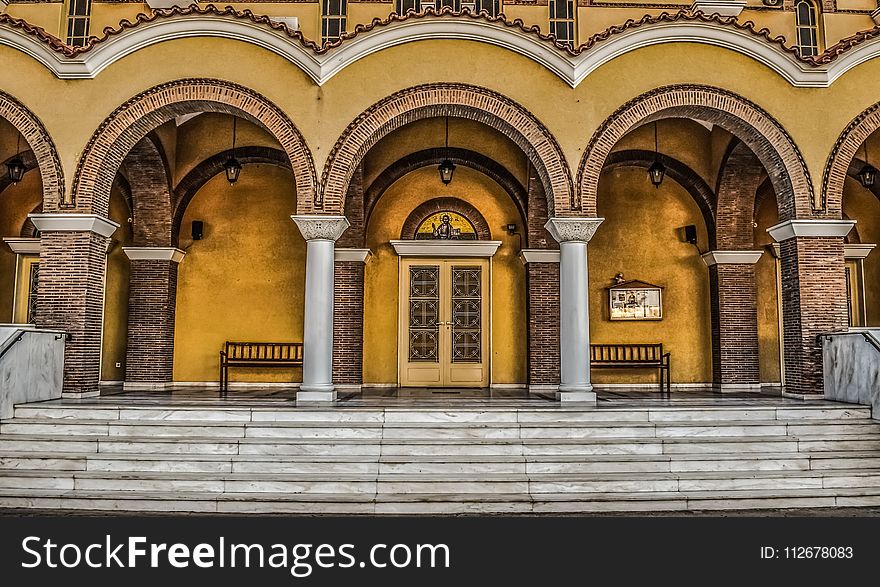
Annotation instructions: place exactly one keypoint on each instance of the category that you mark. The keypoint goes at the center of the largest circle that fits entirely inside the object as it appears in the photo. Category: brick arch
(683, 175)
(199, 175)
(738, 181)
(845, 150)
(463, 157)
(440, 100)
(426, 209)
(37, 138)
(745, 120)
(148, 179)
(122, 130)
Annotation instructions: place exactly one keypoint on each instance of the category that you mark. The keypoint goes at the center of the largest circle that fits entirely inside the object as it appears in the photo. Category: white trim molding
(720, 7)
(23, 246)
(74, 223)
(792, 228)
(351, 255)
(731, 257)
(154, 254)
(445, 248)
(854, 251)
(321, 68)
(539, 256)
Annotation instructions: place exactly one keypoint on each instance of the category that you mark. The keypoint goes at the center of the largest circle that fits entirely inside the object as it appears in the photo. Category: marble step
(240, 414)
(180, 501)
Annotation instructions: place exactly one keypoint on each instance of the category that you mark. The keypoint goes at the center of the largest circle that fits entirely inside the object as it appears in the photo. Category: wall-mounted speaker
(198, 230)
(690, 234)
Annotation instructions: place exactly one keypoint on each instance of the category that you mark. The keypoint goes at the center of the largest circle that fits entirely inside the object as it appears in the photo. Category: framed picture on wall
(635, 300)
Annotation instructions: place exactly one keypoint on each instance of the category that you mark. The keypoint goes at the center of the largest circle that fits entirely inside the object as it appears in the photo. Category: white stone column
(320, 233)
(573, 234)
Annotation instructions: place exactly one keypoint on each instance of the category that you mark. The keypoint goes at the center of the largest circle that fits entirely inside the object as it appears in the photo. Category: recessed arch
(748, 122)
(120, 131)
(446, 204)
(843, 153)
(37, 138)
(437, 101)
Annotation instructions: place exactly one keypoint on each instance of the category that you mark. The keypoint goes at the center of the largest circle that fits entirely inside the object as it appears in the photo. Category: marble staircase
(502, 459)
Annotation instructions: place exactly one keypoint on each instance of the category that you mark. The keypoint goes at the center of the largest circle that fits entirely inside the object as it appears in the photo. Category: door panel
(444, 329)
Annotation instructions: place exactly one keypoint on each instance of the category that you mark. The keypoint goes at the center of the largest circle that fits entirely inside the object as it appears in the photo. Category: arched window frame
(806, 18)
(562, 21)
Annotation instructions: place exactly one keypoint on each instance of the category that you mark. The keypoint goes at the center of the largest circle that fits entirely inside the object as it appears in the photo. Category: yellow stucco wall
(114, 344)
(864, 207)
(768, 295)
(16, 202)
(508, 359)
(245, 279)
(642, 237)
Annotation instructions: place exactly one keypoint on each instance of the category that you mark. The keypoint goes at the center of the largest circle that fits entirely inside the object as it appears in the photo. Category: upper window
(332, 19)
(807, 29)
(78, 14)
(562, 21)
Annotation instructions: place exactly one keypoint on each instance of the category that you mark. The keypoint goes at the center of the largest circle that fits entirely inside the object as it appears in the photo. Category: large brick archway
(844, 152)
(35, 135)
(747, 121)
(439, 100)
(122, 130)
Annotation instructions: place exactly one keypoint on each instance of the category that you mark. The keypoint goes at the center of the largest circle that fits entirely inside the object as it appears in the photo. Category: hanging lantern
(15, 170)
(446, 169)
(867, 175)
(656, 172)
(233, 169)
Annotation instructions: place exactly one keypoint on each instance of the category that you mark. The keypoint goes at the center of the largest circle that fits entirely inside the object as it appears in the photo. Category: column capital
(851, 251)
(22, 246)
(74, 223)
(818, 227)
(314, 227)
(573, 229)
(731, 257)
(154, 254)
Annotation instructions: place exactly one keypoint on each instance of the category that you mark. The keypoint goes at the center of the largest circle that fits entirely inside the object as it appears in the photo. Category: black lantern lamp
(657, 171)
(447, 167)
(232, 166)
(867, 175)
(15, 167)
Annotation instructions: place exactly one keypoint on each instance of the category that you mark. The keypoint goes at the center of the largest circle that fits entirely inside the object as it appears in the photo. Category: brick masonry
(440, 100)
(814, 301)
(129, 123)
(767, 139)
(71, 298)
(543, 332)
(734, 305)
(151, 308)
(37, 138)
(348, 323)
(845, 150)
(147, 175)
(741, 176)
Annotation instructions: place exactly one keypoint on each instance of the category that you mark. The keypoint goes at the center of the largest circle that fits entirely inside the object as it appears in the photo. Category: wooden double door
(444, 323)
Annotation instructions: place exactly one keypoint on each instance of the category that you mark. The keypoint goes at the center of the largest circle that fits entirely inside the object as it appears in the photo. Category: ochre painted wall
(864, 207)
(381, 273)
(114, 344)
(768, 294)
(642, 237)
(16, 202)
(245, 279)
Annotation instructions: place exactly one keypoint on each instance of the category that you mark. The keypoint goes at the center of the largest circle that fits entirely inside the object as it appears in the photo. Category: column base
(736, 387)
(579, 397)
(146, 385)
(804, 396)
(78, 395)
(316, 394)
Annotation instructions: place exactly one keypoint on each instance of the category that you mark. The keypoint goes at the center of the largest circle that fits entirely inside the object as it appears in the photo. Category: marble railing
(31, 365)
(851, 362)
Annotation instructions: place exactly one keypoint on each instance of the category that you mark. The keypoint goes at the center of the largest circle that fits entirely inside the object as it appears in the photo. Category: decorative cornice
(794, 228)
(573, 229)
(172, 254)
(351, 255)
(74, 223)
(315, 227)
(720, 7)
(445, 248)
(322, 62)
(23, 246)
(538, 256)
(855, 251)
(731, 257)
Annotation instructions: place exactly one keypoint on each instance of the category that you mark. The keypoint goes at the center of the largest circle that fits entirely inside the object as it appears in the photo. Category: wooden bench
(633, 356)
(258, 354)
